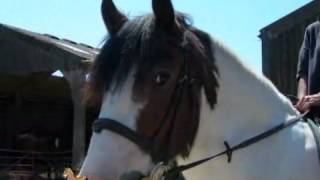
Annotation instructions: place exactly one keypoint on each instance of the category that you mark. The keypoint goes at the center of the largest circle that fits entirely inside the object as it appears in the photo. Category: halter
(144, 143)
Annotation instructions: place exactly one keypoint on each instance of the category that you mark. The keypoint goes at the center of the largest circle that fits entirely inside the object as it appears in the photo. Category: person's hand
(306, 102)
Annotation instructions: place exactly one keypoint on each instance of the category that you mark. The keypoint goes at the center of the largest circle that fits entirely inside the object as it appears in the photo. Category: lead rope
(160, 172)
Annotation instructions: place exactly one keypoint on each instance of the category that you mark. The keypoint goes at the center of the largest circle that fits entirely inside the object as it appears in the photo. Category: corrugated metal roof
(80, 49)
(24, 51)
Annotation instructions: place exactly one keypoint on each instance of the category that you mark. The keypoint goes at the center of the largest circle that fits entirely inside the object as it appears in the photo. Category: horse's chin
(94, 178)
(96, 174)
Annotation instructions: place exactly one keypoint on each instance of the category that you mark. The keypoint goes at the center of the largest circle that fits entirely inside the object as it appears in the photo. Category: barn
(281, 43)
(43, 122)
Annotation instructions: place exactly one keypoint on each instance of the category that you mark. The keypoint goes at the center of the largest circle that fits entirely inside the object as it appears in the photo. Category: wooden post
(266, 38)
(76, 79)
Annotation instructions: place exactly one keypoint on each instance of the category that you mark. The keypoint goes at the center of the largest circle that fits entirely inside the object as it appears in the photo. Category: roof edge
(299, 15)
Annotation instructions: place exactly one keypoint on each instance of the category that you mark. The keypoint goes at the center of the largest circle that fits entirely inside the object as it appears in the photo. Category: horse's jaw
(110, 156)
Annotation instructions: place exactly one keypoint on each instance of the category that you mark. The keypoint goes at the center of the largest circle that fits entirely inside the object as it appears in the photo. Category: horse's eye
(162, 78)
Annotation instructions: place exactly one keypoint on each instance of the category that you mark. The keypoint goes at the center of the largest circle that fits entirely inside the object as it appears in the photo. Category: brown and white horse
(174, 85)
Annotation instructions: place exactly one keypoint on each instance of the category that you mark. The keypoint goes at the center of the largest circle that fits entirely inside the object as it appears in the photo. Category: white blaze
(110, 155)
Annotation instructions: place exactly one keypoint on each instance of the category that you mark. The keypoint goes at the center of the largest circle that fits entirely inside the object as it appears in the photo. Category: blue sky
(234, 22)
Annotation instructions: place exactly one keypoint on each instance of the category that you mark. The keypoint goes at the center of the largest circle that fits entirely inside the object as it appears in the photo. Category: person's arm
(302, 86)
(303, 59)
(302, 104)
(302, 74)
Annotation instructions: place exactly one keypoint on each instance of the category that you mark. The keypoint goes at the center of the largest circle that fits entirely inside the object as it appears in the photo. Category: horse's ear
(164, 13)
(112, 17)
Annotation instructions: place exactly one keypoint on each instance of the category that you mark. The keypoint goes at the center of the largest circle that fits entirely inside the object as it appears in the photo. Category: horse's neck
(247, 105)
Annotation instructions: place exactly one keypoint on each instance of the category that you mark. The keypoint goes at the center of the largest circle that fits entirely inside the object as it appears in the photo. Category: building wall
(281, 43)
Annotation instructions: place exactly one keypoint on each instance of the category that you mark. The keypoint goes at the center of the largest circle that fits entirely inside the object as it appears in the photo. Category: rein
(229, 150)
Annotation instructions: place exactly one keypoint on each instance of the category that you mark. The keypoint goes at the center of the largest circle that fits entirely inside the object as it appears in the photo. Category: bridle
(146, 144)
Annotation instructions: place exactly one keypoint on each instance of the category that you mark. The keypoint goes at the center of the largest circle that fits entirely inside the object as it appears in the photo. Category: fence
(48, 165)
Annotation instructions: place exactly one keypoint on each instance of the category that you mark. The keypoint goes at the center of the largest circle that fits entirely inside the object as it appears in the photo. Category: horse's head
(149, 77)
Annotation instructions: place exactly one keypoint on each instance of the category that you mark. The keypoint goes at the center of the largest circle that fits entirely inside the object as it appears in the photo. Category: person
(308, 72)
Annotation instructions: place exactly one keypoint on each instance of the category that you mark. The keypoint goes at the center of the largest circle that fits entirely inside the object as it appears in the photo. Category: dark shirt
(309, 60)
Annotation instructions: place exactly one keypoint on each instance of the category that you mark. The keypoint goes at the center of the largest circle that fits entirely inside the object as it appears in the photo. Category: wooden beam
(76, 79)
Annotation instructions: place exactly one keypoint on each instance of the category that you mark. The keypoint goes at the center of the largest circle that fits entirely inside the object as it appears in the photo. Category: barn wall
(281, 43)
(26, 53)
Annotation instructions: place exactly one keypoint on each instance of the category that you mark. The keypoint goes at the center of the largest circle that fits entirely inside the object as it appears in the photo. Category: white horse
(137, 78)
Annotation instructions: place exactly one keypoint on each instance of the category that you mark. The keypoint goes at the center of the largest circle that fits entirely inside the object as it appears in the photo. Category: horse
(171, 93)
